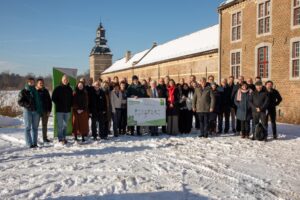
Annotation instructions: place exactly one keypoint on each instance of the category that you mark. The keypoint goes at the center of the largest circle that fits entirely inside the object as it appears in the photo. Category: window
(264, 17)
(263, 62)
(295, 59)
(296, 12)
(236, 24)
(236, 64)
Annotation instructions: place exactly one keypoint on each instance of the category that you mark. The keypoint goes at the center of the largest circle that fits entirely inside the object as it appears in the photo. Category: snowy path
(182, 167)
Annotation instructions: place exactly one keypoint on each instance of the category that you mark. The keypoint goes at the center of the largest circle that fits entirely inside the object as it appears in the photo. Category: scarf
(239, 93)
(171, 97)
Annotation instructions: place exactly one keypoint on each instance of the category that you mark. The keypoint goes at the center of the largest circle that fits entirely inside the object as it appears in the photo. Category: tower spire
(100, 41)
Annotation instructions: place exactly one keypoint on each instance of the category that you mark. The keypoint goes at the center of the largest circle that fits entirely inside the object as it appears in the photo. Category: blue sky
(36, 35)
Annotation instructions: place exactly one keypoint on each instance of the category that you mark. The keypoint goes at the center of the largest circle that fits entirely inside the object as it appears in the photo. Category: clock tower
(100, 56)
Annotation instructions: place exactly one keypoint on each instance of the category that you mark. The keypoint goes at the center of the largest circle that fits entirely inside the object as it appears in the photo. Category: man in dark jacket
(164, 94)
(259, 102)
(275, 99)
(32, 109)
(203, 104)
(98, 110)
(46, 104)
(135, 90)
(231, 85)
(63, 98)
(225, 106)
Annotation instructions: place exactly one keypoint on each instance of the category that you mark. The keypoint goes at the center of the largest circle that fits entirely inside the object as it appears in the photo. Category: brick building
(193, 54)
(262, 38)
(100, 56)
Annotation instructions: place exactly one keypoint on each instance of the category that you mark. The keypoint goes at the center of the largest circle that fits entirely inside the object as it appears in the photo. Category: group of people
(104, 103)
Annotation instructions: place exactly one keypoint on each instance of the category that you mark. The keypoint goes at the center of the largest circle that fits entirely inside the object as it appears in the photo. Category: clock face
(98, 33)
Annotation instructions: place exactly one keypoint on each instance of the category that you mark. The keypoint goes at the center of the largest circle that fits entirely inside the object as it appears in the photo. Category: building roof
(228, 3)
(121, 64)
(198, 42)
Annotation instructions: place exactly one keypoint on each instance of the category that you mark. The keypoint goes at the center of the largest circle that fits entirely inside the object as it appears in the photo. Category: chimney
(128, 55)
(154, 44)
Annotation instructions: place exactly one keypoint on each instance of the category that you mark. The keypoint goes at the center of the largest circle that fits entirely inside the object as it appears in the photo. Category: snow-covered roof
(197, 42)
(122, 64)
(226, 2)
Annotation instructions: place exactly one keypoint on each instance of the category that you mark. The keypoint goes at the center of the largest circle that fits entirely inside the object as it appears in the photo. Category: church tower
(100, 56)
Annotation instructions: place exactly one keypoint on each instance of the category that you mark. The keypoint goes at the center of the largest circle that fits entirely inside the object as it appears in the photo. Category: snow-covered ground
(9, 98)
(173, 168)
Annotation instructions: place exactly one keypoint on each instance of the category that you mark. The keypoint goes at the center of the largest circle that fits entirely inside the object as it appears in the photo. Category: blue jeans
(31, 120)
(62, 125)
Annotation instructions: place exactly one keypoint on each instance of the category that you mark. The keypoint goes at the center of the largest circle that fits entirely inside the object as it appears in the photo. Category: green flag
(57, 76)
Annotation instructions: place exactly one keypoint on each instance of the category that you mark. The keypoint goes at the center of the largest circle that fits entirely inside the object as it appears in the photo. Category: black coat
(226, 98)
(218, 101)
(45, 99)
(234, 91)
(164, 91)
(26, 100)
(274, 98)
(63, 98)
(97, 102)
(259, 100)
(136, 90)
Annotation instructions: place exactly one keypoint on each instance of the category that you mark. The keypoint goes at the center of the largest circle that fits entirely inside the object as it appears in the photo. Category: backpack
(260, 132)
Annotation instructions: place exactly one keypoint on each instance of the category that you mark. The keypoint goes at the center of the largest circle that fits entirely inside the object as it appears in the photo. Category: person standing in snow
(47, 106)
(80, 115)
(62, 97)
(116, 98)
(203, 104)
(172, 108)
(98, 110)
(259, 102)
(185, 113)
(154, 92)
(275, 99)
(29, 99)
(243, 113)
(217, 109)
(164, 94)
(135, 90)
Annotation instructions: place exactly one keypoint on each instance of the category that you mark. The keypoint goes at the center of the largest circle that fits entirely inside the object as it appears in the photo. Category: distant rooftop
(198, 42)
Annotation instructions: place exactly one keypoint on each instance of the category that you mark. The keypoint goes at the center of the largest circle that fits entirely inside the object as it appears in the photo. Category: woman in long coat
(80, 118)
(243, 114)
(172, 108)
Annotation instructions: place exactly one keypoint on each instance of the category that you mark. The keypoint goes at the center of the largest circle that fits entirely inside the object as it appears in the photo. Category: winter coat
(26, 100)
(226, 98)
(259, 100)
(163, 89)
(136, 90)
(80, 121)
(235, 88)
(117, 101)
(45, 99)
(243, 108)
(175, 109)
(97, 102)
(158, 95)
(274, 98)
(203, 100)
(218, 101)
(186, 99)
(62, 97)
(30, 99)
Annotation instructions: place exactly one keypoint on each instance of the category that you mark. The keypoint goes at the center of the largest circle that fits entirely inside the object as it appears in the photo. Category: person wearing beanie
(259, 102)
